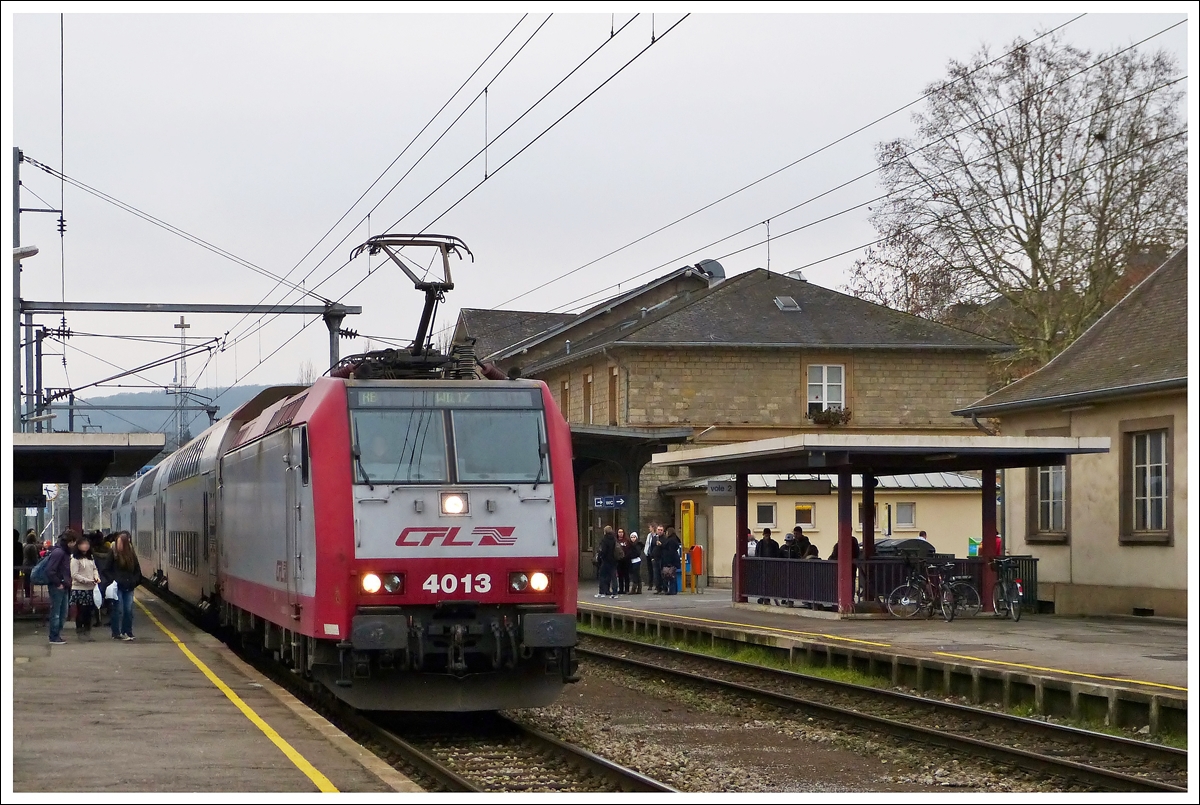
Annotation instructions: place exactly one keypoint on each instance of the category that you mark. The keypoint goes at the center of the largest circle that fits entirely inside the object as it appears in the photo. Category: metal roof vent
(787, 303)
(714, 270)
(796, 274)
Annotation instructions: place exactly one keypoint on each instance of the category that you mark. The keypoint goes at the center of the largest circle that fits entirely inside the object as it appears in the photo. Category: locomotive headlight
(540, 582)
(371, 583)
(518, 582)
(455, 503)
(393, 583)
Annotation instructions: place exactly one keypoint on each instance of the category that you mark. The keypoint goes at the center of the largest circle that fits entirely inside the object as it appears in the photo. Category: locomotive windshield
(448, 436)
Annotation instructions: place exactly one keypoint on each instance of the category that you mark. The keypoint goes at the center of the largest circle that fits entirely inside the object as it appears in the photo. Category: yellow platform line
(745, 626)
(1060, 671)
(320, 780)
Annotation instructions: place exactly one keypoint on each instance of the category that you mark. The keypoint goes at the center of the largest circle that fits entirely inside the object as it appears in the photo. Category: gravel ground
(705, 741)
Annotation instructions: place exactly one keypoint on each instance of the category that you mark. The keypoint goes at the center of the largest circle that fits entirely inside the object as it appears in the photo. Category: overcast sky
(256, 132)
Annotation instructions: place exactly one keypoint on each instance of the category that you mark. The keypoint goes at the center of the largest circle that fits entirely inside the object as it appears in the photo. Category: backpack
(38, 574)
(618, 551)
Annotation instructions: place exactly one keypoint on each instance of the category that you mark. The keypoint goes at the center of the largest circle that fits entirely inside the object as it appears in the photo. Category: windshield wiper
(361, 468)
(543, 449)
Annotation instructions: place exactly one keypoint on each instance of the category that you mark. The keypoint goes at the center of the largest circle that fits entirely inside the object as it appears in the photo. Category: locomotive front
(464, 572)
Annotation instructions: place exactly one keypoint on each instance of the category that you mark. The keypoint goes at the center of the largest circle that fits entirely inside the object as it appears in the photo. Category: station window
(906, 515)
(587, 399)
(1052, 499)
(564, 399)
(806, 515)
(1147, 481)
(765, 515)
(826, 387)
(612, 395)
(860, 515)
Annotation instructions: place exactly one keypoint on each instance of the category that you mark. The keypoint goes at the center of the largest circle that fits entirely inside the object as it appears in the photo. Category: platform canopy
(881, 454)
(52, 458)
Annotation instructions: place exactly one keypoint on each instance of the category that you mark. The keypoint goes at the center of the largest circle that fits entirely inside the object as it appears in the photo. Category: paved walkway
(173, 710)
(1149, 653)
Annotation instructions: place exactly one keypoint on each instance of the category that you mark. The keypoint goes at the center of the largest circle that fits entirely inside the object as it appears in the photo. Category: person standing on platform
(84, 578)
(606, 554)
(104, 566)
(768, 548)
(672, 562)
(29, 559)
(635, 563)
(127, 572)
(751, 544)
(58, 582)
(624, 563)
(650, 549)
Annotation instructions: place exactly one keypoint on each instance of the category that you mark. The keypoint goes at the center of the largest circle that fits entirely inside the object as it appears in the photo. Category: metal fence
(813, 582)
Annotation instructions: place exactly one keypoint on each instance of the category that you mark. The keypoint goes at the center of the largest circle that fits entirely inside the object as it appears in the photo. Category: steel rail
(1025, 760)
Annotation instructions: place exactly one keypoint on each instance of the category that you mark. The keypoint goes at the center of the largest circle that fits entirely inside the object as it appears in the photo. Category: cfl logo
(452, 537)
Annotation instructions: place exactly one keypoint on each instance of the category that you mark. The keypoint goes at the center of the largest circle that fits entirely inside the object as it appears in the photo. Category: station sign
(721, 489)
(608, 502)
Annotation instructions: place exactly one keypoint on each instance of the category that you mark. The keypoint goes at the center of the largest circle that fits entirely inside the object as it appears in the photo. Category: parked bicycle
(1008, 592)
(936, 587)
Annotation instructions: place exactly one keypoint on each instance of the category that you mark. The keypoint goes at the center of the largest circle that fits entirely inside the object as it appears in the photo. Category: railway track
(454, 752)
(1080, 756)
(489, 752)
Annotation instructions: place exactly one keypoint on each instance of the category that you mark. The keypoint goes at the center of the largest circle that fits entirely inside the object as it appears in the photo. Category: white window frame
(823, 386)
(913, 522)
(1049, 507)
(878, 525)
(774, 514)
(1147, 505)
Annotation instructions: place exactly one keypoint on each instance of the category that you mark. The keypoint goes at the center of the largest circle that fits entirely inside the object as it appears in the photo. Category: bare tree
(1033, 186)
(307, 375)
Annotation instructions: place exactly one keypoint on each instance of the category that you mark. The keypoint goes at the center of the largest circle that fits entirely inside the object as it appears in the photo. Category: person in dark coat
(127, 573)
(635, 563)
(607, 562)
(855, 549)
(671, 557)
(104, 566)
(30, 558)
(58, 582)
(767, 548)
(624, 563)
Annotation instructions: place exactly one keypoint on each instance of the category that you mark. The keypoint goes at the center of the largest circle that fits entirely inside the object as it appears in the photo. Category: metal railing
(813, 582)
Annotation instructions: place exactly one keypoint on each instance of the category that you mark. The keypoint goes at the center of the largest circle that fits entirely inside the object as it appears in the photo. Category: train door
(209, 532)
(294, 478)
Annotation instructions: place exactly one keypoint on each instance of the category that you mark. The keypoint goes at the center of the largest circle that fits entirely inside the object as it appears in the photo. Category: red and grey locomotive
(402, 531)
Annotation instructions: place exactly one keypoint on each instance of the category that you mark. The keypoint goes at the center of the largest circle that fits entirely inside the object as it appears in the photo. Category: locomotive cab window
(493, 446)
(304, 456)
(459, 436)
(399, 446)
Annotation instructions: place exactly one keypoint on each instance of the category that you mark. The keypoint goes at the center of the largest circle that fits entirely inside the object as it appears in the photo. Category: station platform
(172, 710)
(1132, 671)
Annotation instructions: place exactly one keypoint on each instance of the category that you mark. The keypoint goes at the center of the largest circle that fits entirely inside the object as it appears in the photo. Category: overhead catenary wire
(792, 164)
(392, 164)
(145, 216)
(508, 161)
(598, 292)
(464, 166)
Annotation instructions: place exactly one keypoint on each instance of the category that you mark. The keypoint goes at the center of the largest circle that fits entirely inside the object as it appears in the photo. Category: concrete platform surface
(1150, 655)
(140, 715)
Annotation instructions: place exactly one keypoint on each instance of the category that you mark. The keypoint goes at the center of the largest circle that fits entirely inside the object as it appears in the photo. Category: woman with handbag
(127, 572)
(84, 578)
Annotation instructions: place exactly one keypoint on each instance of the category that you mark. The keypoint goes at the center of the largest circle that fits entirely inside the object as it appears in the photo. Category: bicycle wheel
(1000, 599)
(905, 601)
(1014, 603)
(967, 598)
(948, 603)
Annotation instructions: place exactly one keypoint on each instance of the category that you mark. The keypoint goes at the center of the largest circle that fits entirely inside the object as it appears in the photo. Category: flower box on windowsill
(829, 417)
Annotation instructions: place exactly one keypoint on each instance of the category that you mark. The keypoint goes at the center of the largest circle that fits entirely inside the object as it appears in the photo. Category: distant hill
(90, 413)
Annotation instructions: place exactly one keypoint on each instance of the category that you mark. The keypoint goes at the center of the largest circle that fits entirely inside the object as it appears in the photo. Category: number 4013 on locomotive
(402, 531)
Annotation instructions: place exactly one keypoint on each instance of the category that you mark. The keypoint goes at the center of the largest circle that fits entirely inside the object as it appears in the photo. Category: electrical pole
(180, 424)
(16, 292)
